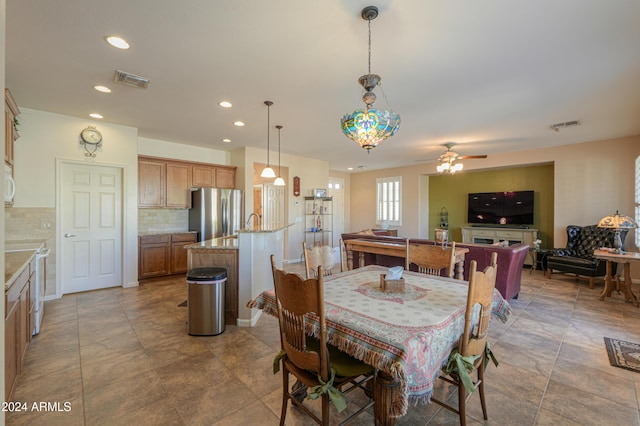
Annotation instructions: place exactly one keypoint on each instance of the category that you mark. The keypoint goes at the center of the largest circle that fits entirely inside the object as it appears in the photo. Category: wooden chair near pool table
(431, 259)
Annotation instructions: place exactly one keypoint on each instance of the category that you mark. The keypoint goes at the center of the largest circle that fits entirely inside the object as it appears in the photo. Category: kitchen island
(246, 257)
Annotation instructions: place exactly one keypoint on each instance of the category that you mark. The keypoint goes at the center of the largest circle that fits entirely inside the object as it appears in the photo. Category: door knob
(67, 235)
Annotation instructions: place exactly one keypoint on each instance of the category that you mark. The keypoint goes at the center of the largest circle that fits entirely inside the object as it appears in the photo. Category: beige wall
(592, 179)
(177, 151)
(363, 199)
(46, 138)
(346, 177)
(313, 174)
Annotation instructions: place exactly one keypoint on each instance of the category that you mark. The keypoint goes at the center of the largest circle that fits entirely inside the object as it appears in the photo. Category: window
(388, 201)
(637, 201)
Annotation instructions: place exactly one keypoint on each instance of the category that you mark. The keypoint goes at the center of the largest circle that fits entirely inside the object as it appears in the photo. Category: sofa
(510, 259)
(577, 256)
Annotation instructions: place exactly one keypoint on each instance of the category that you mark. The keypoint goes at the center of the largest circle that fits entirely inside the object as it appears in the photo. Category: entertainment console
(490, 235)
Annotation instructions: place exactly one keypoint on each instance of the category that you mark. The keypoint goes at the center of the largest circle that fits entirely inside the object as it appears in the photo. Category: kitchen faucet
(257, 216)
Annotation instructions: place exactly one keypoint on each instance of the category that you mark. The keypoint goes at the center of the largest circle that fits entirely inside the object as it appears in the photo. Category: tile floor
(123, 356)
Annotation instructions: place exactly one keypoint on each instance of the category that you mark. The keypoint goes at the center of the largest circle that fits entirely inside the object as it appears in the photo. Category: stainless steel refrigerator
(216, 212)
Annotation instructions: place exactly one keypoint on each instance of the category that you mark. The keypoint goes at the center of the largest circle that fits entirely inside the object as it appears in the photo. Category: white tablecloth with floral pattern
(408, 335)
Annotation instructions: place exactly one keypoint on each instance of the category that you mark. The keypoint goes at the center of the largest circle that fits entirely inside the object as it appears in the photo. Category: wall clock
(91, 139)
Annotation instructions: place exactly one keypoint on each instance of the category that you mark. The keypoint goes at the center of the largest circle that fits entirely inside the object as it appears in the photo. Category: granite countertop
(164, 232)
(230, 243)
(265, 228)
(17, 255)
(14, 263)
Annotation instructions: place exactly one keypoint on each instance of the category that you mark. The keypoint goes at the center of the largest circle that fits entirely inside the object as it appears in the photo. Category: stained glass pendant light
(370, 126)
(279, 181)
(268, 172)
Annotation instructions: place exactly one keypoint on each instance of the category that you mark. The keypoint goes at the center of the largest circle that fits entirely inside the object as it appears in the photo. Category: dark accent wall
(451, 191)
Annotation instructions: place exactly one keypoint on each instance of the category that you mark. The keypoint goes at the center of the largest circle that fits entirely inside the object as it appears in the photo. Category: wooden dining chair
(311, 360)
(473, 342)
(330, 258)
(431, 259)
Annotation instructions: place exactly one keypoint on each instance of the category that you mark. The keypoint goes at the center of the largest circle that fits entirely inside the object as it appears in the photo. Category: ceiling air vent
(558, 126)
(131, 79)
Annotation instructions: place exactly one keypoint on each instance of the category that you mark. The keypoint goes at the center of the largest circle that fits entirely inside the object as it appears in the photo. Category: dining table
(407, 336)
(394, 249)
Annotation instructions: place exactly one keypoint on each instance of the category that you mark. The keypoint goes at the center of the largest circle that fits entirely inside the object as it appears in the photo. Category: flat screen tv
(501, 208)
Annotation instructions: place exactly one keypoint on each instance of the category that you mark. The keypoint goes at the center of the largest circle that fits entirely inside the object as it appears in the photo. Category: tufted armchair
(577, 256)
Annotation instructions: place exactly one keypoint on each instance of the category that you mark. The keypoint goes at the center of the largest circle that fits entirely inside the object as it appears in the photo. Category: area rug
(623, 354)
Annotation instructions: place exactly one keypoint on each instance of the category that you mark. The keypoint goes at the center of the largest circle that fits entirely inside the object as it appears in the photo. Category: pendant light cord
(268, 120)
(369, 46)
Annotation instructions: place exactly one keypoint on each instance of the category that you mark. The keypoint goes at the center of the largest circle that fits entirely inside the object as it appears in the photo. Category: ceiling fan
(448, 162)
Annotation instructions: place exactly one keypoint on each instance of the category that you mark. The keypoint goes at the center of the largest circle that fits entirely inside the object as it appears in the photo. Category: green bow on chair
(464, 365)
(337, 397)
(276, 361)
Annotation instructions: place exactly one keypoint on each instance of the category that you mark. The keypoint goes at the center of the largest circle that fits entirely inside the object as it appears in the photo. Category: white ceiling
(490, 75)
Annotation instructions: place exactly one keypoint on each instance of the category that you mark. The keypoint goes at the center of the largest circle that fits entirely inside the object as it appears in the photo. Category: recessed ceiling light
(118, 42)
(349, 168)
(103, 89)
(225, 104)
(238, 123)
(226, 140)
(95, 115)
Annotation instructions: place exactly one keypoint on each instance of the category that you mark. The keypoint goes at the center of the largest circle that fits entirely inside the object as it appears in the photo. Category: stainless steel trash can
(205, 301)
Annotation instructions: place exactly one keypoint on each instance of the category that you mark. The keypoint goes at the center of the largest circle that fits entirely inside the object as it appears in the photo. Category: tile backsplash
(34, 223)
(162, 220)
(39, 223)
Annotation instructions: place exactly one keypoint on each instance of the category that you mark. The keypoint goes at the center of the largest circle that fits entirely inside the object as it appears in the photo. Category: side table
(541, 259)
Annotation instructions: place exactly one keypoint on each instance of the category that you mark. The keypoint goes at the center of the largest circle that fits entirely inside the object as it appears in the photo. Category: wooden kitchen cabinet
(154, 253)
(203, 176)
(225, 177)
(162, 255)
(16, 330)
(208, 176)
(178, 186)
(179, 253)
(10, 352)
(151, 182)
(164, 183)
(11, 112)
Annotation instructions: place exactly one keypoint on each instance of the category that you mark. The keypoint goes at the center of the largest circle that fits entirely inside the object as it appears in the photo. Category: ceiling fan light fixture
(370, 126)
(447, 161)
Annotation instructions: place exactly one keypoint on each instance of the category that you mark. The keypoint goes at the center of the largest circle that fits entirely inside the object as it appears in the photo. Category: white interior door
(90, 227)
(273, 205)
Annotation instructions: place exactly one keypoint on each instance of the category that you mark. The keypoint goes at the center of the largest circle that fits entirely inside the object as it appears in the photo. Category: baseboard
(249, 323)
